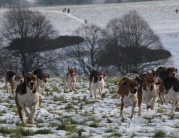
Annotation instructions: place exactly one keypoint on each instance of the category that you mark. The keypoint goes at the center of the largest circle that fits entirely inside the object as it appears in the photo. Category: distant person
(85, 21)
(64, 10)
(68, 10)
(176, 11)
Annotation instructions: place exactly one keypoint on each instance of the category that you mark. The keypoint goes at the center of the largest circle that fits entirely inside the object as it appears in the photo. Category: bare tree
(132, 45)
(87, 52)
(6, 59)
(28, 32)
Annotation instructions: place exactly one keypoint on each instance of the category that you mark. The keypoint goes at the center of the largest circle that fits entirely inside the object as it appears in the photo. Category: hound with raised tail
(70, 79)
(13, 79)
(27, 96)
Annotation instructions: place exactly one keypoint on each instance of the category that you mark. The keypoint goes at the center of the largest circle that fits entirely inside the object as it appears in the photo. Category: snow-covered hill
(160, 15)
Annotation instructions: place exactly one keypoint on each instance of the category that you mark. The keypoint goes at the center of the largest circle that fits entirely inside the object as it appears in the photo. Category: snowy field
(75, 114)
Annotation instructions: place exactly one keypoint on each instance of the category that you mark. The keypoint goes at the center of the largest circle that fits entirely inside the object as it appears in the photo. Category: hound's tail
(91, 67)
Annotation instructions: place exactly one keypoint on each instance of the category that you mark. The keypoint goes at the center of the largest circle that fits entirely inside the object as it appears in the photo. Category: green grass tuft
(44, 131)
(115, 135)
(20, 124)
(53, 124)
(93, 125)
(159, 134)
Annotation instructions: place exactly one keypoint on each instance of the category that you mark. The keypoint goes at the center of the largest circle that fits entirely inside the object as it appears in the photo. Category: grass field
(74, 114)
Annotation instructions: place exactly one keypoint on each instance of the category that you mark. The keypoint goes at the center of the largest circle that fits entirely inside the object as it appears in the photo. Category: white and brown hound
(96, 81)
(70, 79)
(27, 96)
(13, 79)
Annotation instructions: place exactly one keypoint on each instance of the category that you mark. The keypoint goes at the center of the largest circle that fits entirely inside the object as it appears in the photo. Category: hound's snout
(31, 83)
(151, 87)
(134, 91)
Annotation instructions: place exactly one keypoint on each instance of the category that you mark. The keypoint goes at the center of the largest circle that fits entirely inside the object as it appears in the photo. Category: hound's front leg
(100, 92)
(90, 90)
(133, 109)
(95, 93)
(33, 111)
(163, 96)
(154, 100)
(43, 88)
(175, 103)
(140, 110)
(73, 85)
(146, 101)
(65, 85)
(70, 85)
(122, 108)
(6, 85)
(161, 99)
(25, 109)
(12, 89)
(166, 99)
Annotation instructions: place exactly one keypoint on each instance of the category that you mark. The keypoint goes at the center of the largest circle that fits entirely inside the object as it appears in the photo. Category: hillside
(160, 15)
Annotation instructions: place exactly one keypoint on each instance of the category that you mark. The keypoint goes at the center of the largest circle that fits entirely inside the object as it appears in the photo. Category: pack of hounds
(134, 88)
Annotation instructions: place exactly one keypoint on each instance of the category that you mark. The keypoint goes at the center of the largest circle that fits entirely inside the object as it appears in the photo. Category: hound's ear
(74, 68)
(176, 70)
(141, 77)
(124, 83)
(68, 67)
(153, 72)
(144, 86)
(23, 74)
(168, 71)
(16, 77)
(138, 80)
(147, 72)
(35, 72)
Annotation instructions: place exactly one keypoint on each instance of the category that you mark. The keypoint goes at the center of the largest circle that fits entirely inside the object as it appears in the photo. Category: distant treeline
(15, 3)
